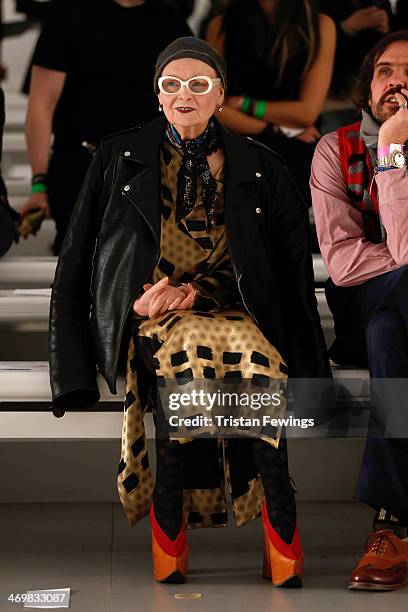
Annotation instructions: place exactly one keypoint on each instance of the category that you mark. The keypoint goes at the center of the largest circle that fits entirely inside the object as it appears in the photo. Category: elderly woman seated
(190, 246)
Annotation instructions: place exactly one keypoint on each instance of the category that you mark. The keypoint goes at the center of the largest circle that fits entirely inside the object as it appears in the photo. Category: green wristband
(246, 105)
(260, 109)
(39, 188)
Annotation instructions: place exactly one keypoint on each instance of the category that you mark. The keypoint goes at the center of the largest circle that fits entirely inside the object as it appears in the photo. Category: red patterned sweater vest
(358, 174)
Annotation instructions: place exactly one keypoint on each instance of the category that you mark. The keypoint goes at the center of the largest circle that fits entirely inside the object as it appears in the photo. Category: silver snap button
(126, 153)
(258, 174)
(258, 210)
(126, 188)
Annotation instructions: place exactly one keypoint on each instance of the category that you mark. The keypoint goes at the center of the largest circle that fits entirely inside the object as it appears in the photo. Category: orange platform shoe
(282, 563)
(170, 557)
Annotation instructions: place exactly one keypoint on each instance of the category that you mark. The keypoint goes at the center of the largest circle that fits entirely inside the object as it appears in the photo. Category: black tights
(272, 464)
(168, 490)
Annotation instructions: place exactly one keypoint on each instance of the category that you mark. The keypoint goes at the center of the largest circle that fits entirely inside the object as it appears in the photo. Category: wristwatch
(392, 156)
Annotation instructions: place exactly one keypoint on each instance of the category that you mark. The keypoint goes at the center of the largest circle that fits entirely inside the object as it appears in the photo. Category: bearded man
(359, 188)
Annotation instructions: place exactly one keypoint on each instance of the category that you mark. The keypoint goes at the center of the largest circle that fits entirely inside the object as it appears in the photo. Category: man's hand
(162, 297)
(36, 200)
(395, 129)
(371, 18)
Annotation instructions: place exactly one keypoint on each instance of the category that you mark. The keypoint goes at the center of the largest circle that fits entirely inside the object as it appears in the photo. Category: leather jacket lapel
(243, 211)
(143, 191)
(243, 208)
(142, 150)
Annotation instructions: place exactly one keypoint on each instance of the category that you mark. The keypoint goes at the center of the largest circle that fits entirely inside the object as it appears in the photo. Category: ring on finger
(404, 106)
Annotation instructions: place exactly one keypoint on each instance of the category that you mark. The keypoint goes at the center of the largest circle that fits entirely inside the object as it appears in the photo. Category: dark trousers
(66, 172)
(379, 308)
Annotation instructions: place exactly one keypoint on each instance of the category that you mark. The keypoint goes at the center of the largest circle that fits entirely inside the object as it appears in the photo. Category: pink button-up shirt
(349, 257)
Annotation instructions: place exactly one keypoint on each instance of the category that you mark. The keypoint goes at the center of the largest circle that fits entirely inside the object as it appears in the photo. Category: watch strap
(390, 160)
(388, 149)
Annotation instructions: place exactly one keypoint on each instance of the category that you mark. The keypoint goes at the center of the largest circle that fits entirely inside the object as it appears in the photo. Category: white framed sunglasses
(198, 85)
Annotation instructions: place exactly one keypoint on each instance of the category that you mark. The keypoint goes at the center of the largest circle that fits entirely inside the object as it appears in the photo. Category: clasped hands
(162, 297)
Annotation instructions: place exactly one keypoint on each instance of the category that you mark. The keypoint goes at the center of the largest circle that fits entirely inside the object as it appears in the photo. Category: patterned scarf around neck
(194, 164)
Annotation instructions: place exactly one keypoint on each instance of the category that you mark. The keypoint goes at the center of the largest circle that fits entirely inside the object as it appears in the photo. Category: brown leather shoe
(384, 564)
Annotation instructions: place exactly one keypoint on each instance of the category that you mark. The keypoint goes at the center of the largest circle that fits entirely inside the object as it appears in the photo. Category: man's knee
(384, 330)
(402, 285)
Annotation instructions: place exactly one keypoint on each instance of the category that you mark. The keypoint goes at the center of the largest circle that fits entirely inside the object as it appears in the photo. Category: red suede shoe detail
(291, 551)
(172, 547)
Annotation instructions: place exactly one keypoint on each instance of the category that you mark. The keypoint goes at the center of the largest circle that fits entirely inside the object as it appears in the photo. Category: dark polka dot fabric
(217, 339)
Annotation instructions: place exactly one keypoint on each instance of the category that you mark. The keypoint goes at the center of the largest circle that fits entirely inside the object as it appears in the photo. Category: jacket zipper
(115, 368)
(238, 279)
(243, 299)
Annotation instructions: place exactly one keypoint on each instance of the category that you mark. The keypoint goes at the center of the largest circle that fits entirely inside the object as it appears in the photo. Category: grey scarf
(369, 133)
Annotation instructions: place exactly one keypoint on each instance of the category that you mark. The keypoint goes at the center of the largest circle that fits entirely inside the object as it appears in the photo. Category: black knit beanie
(189, 46)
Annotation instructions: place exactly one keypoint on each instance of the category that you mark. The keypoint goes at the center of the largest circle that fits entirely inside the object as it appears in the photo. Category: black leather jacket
(113, 243)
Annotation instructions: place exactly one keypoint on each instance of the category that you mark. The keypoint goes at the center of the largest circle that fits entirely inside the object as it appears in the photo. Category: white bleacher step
(19, 172)
(38, 271)
(33, 305)
(24, 306)
(15, 118)
(319, 268)
(20, 271)
(43, 426)
(29, 381)
(14, 142)
(19, 190)
(23, 383)
(14, 99)
(33, 249)
(18, 187)
(14, 151)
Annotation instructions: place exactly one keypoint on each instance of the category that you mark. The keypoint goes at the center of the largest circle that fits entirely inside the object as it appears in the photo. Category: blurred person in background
(216, 8)
(8, 216)
(36, 12)
(279, 55)
(401, 20)
(186, 7)
(360, 24)
(92, 75)
(34, 9)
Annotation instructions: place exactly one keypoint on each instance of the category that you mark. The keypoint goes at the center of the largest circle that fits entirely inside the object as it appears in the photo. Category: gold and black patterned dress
(218, 340)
